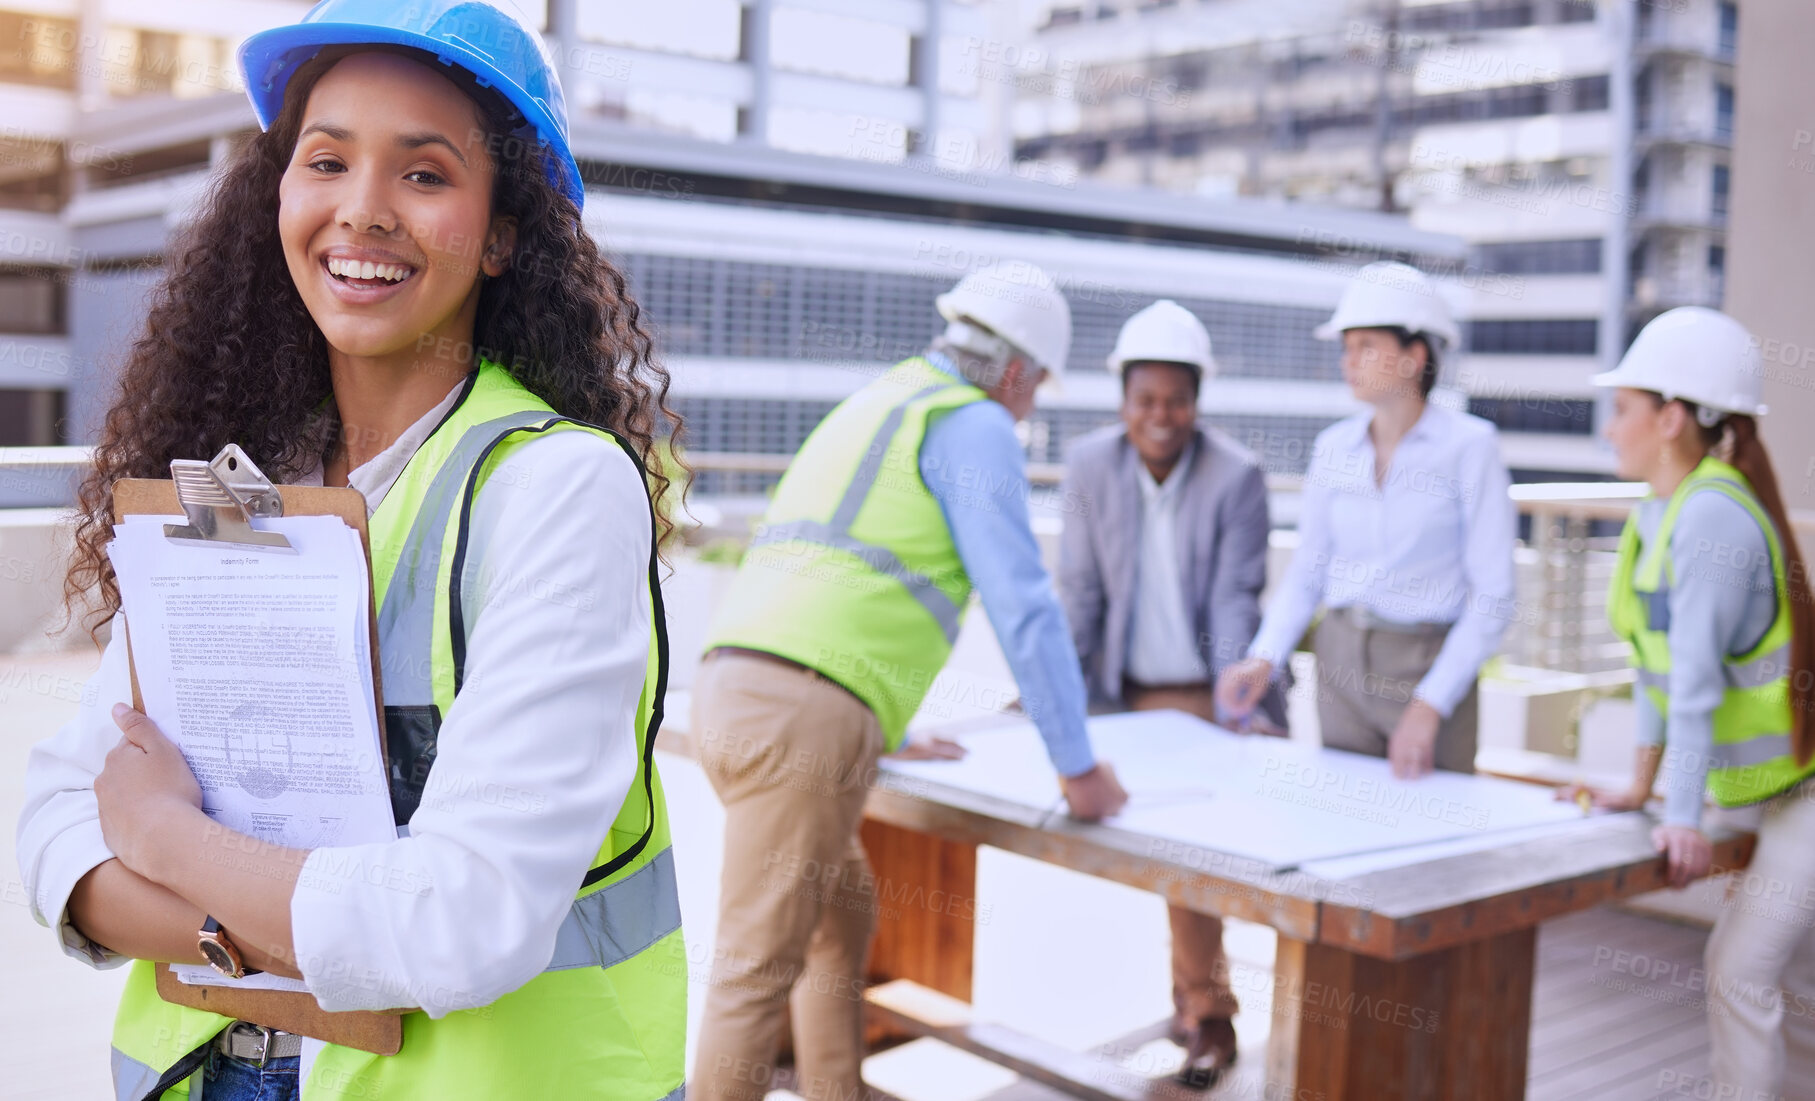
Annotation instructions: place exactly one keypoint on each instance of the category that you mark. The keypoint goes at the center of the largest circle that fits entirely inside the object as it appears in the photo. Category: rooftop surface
(1604, 1028)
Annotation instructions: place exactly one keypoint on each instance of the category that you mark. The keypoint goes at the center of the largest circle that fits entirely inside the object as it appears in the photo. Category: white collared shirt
(375, 477)
(1432, 544)
(535, 756)
(1161, 649)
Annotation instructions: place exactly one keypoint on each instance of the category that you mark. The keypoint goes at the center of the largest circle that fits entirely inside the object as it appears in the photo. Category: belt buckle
(265, 1037)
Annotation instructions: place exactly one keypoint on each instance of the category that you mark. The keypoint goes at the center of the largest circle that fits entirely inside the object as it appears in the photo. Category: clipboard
(220, 498)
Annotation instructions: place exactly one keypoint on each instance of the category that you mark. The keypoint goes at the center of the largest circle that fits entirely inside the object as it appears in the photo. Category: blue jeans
(231, 1079)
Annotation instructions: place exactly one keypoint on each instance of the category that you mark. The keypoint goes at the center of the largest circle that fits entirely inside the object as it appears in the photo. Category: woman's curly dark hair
(229, 353)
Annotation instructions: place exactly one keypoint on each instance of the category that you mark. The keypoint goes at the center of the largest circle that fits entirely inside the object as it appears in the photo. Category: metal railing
(1563, 568)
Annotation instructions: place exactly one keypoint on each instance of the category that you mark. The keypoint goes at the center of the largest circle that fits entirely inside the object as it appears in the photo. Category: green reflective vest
(607, 1017)
(1751, 758)
(853, 572)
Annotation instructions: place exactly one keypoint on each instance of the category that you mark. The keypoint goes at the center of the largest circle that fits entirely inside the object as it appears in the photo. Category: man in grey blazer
(1161, 565)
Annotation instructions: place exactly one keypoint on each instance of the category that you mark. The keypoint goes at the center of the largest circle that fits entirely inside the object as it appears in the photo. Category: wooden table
(1412, 982)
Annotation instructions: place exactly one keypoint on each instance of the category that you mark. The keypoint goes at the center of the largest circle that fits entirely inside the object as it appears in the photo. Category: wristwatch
(221, 953)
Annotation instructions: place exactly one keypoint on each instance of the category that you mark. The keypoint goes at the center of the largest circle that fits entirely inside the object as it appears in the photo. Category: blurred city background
(789, 183)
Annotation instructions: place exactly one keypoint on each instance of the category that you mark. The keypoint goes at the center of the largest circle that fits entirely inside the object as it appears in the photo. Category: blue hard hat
(493, 42)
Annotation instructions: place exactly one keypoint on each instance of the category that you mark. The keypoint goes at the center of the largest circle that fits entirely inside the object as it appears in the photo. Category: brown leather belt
(777, 659)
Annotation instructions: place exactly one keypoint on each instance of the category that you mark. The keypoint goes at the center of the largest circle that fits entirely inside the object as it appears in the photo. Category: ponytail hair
(1746, 453)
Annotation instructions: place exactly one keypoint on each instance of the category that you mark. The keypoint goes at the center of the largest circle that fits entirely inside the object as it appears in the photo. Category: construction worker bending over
(907, 495)
(1161, 569)
(1711, 592)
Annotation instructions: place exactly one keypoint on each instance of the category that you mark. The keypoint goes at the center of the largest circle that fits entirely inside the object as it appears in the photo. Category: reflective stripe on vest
(1759, 750)
(132, 1079)
(1750, 758)
(865, 478)
(617, 921)
(1761, 670)
(406, 618)
(881, 559)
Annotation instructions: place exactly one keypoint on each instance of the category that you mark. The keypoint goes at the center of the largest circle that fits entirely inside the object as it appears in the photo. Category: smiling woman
(390, 288)
(391, 171)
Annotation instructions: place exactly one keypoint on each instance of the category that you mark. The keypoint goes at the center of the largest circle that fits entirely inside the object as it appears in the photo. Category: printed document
(257, 664)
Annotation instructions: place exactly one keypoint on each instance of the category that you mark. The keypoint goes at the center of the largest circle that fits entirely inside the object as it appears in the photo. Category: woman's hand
(1412, 749)
(1240, 687)
(144, 784)
(1605, 798)
(1687, 851)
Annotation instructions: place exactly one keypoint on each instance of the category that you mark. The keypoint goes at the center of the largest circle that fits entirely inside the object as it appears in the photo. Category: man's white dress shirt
(1161, 649)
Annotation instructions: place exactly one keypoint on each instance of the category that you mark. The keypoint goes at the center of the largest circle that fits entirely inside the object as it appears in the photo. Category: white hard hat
(1696, 354)
(1165, 332)
(1391, 295)
(1019, 303)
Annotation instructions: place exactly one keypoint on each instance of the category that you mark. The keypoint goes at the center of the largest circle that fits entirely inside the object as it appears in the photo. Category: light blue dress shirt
(975, 467)
(1432, 544)
(1722, 601)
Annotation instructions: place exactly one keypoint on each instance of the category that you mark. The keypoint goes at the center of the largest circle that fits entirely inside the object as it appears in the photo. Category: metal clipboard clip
(221, 498)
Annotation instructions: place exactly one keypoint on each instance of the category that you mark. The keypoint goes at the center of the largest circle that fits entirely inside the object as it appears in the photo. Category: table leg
(1451, 1023)
(926, 890)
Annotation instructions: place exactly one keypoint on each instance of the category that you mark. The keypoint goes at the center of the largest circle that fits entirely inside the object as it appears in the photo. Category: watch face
(219, 959)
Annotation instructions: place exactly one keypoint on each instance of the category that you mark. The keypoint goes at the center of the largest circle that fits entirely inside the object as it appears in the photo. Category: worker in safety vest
(422, 318)
(908, 495)
(1711, 592)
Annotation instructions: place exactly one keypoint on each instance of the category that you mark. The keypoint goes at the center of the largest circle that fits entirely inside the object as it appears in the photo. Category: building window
(32, 301)
(1717, 259)
(1723, 178)
(1575, 11)
(1143, 142)
(38, 50)
(1729, 29)
(1536, 414)
(714, 307)
(1723, 110)
(1545, 337)
(118, 170)
(1572, 257)
(31, 173)
(32, 418)
(1591, 94)
(143, 62)
(1190, 73)
(1588, 93)
(1480, 15)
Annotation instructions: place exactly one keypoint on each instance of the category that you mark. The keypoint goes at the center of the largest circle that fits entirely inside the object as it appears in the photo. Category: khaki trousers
(791, 755)
(1367, 673)
(1200, 970)
(1768, 915)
